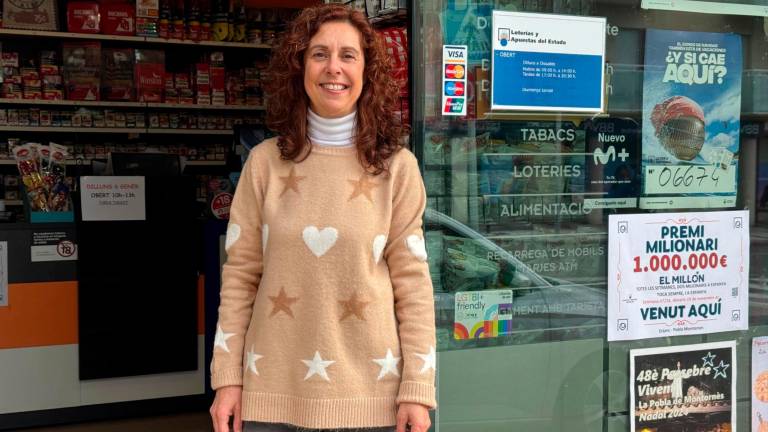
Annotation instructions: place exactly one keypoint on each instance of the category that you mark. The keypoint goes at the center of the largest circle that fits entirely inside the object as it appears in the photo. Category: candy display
(42, 171)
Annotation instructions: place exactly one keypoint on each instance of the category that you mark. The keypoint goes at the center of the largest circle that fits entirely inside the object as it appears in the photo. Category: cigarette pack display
(34, 116)
(171, 96)
(11, 75)
(147, 8)
(83, 17)
(9, 59)
(32, 94)
(49, 69)
(168, 83)
(218, 87)
(202, 74)
(181, 81)
(149, 73)
(52, 82)
(120, 119)
(29, 73)
(24, 118)
(53, 95)
(186, 97)
(117, 74)
(118, 19)
(82, 70)
(45, 118)
(147, 14)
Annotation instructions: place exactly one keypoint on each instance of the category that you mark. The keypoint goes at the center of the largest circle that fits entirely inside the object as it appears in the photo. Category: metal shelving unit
(132, 39)
(143, 105)
(62, 129)
(114, 130)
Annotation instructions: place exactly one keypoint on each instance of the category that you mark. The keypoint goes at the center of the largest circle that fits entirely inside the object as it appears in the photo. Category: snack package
(27, 160)
(55, 178)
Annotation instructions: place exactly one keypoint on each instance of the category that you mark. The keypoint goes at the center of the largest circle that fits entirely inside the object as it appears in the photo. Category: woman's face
(333, 69)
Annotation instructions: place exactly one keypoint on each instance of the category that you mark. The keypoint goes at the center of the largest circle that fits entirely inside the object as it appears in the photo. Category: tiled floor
(193, 422)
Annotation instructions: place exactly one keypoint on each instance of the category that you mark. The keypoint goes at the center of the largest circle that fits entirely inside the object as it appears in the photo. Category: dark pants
(274, 427)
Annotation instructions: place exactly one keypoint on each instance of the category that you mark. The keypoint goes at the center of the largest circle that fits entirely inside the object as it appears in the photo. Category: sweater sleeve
(240, 277)
(414, 302)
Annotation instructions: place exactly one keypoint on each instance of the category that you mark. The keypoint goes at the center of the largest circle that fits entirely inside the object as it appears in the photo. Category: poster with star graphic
(686, 387)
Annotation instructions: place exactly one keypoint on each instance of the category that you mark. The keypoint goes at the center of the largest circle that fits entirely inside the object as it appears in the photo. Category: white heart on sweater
(416, 246)
(320, 241)
(378, 246)
(264, 238)
(233, 235)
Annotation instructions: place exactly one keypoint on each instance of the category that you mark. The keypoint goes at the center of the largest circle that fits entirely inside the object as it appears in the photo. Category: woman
(327, 315)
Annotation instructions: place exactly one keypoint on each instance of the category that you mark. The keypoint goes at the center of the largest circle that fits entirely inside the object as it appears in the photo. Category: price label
(663, 179)
(679, 262)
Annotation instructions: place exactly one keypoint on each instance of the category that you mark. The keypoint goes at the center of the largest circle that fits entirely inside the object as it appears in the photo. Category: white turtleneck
(331, 132)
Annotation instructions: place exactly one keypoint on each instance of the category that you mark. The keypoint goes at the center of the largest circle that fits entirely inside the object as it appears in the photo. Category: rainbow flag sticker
(482, 314)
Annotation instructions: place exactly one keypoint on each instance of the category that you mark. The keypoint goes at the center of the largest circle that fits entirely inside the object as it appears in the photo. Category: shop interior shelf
(81, 161)
(204, 163)
(207, 107)
(138, 39)
(394, 17)
(14, 202)
(158, 131)
(62, 129)
(107, 104)
(104, 104)
(115, 130)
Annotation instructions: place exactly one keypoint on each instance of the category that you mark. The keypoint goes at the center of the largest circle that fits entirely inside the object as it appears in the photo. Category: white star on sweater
(221, 339)
(317, 366)
(388, 364)
(252, 358)
(430, 359)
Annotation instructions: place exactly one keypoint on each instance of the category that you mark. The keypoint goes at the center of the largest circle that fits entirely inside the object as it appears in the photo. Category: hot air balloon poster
(690, 117)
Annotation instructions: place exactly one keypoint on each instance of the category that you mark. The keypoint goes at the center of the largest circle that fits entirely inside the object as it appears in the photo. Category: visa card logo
(454, 105)
(454, 71)
(453, 88)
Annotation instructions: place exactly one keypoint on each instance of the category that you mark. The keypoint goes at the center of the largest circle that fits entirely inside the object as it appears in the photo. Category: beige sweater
(327, 314)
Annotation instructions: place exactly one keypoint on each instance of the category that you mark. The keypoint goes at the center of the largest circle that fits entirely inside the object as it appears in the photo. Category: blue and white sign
(547, 62)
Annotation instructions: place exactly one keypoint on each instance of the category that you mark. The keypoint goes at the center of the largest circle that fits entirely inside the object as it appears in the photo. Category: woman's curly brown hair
(378, 130)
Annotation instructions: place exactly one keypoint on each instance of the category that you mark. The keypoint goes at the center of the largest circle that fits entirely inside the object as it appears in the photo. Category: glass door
(516, 225)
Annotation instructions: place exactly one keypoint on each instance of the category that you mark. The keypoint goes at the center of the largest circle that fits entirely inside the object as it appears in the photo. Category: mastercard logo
(454, 71)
